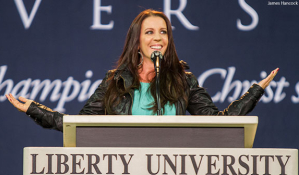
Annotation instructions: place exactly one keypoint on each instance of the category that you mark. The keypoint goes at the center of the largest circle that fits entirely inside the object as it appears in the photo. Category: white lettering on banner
(206, 74)
(237, 85)
(253, 14)
(68, 90)
(48, 86)
(279, 95)
(168, 12)
(97, 9)
(27, 20)
(229, 85)
(7, 83)
(61, 91)
(294, 98)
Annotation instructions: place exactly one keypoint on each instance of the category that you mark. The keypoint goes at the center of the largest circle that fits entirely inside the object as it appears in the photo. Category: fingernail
(277, 69)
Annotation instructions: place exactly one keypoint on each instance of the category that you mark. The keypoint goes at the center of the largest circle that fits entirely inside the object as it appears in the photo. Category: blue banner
(57, 52)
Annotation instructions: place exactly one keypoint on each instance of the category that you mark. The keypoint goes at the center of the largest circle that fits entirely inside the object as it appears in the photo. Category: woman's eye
(164, 32)
(149, 32)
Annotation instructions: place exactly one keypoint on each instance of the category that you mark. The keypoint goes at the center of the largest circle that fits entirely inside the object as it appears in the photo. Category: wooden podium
(160, 145)
(160, 131)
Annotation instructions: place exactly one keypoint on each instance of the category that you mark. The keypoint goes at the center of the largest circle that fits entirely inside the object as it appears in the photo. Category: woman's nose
(157, 37)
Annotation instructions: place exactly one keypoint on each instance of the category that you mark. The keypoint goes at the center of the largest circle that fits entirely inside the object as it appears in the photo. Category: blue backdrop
(56, 52)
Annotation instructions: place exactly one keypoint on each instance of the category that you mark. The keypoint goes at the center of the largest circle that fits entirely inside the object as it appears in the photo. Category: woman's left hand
(265, 82)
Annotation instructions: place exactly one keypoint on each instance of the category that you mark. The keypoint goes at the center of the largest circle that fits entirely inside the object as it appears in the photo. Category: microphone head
(156, 54)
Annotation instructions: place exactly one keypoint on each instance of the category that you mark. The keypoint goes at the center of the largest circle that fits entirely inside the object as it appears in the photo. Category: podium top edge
(139, 119)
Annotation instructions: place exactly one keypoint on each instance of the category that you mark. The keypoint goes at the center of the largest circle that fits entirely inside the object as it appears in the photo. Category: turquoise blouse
(143, 99)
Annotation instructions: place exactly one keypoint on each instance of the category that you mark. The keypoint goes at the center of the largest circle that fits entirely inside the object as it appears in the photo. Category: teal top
(143, 99)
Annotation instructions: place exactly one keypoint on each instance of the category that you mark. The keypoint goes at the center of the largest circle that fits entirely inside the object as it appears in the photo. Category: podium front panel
(194, 137)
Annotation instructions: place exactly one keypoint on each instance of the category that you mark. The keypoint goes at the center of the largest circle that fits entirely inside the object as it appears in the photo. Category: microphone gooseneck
(156, 57)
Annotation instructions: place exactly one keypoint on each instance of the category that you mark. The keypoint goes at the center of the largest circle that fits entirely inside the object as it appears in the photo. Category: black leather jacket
(199, 103)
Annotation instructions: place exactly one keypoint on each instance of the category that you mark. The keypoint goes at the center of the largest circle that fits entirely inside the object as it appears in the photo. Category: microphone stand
(156, 57)
(159, 112)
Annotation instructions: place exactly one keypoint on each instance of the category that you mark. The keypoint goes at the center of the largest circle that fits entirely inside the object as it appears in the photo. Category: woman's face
(153, 36)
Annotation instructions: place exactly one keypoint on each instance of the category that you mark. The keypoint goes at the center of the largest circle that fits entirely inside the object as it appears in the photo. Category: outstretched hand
(265, 82)
(21, 106)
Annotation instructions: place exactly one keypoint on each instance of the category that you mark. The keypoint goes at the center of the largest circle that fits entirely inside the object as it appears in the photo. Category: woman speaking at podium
(130, 89)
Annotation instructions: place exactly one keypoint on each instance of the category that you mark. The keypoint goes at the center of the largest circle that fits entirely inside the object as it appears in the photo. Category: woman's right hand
(23, 107)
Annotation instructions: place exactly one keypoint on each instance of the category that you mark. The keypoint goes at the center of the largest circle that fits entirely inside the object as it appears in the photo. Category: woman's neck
(147, 72)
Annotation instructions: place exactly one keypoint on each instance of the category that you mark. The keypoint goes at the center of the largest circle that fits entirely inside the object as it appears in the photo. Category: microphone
(156, 57)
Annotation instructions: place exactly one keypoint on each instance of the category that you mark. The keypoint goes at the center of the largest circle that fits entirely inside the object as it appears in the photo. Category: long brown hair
(172, 76)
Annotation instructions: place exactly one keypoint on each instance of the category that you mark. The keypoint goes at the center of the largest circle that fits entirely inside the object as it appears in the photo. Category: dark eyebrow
(148, 29)
(153, 28)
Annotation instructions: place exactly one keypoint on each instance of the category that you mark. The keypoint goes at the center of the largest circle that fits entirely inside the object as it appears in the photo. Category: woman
(130, 88)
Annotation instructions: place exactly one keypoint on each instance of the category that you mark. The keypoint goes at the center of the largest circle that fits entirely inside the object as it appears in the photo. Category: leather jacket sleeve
(200, 102)
(47, 118)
